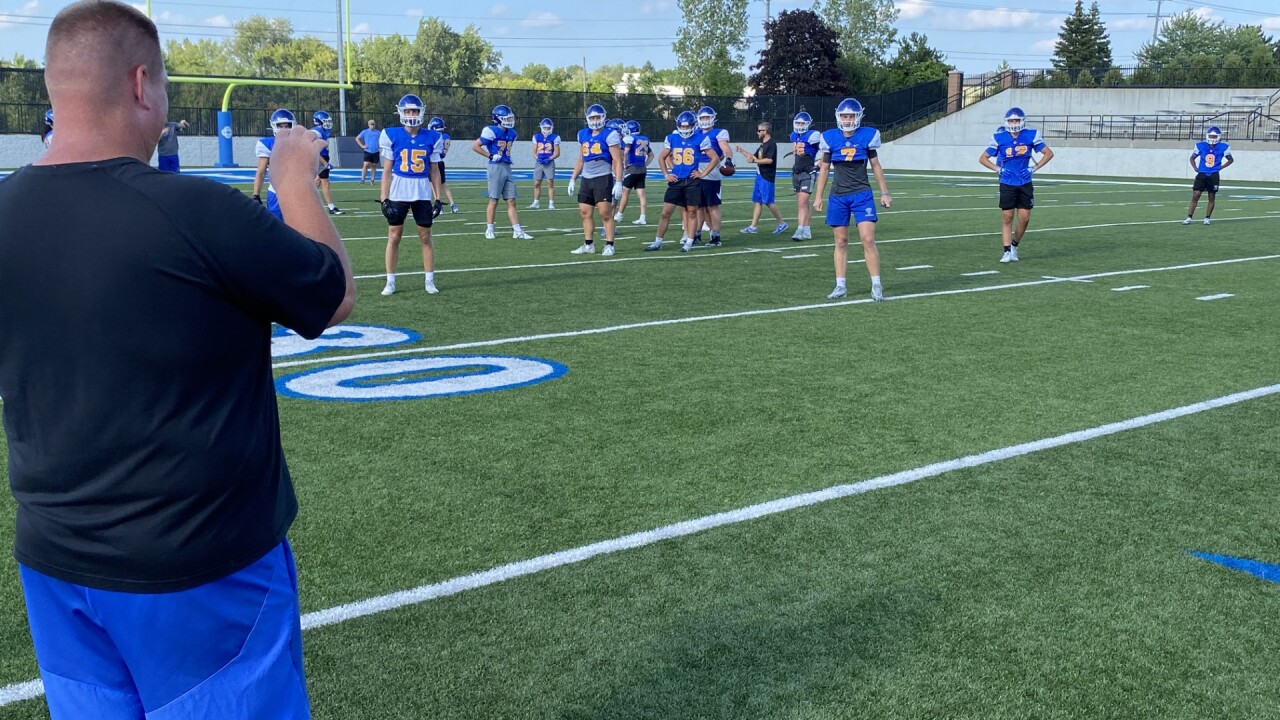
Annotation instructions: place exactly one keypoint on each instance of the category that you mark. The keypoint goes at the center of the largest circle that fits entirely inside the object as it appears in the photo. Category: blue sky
(975, 34)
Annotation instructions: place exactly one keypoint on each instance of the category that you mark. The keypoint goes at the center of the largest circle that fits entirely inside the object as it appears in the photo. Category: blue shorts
(763, 192)
(231, 648)
(710, 193)
(273, 205)
(169, 163)
(859, 207)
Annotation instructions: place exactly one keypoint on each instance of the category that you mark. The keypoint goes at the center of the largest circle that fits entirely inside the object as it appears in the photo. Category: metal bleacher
(1242, 117)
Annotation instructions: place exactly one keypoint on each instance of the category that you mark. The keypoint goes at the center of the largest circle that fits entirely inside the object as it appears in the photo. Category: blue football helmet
(686, 124)
(802, 122)
(282, 120)
(616, 124)
(436, 124)
(546, 126)
(410, 108)
(322, 119)
(48, 117)
(706, 117)
(502, 115)
(1212, 136)
(848, 114)
(1013, 119)
(633, 127)
(596, 116)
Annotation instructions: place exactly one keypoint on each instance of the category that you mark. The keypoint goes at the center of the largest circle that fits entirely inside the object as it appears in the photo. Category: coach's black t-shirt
(768, 149)
(135, 339)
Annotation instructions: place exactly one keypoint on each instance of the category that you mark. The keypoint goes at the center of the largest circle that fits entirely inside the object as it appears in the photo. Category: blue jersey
(1211, 156)
(324, 135)
(804, 146)
(544, 147)
(849, 156)
(596, 146)
(411, 155)
(446, 137)
(637, 151)
(1013, 153)
(497, 141)
(686, 151)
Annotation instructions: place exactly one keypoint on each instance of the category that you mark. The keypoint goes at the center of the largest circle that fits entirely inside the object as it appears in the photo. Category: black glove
(258, 198)
(387, 211)
(436, 209)
(728, 162)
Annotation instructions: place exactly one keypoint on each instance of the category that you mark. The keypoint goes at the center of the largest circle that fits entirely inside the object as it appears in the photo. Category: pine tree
(1083, 42)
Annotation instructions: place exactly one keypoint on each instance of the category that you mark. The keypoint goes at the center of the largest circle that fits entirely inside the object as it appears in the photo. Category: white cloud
(656, 7)
(218, 21)
(502, 30)
(542, 20)
(1000, 19)
(498, 10)
(413, 12)
(29, 8)
(1271, 23)
(361, 29)
(911, 9)
(1045, 46)
(1130, 24)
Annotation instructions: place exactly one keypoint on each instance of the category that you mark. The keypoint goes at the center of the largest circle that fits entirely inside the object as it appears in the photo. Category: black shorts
(685, 193)
(1206, 183)
(399, 210)
(710, 193)
(324, 174)
(373, 158)
(634, 179)
(596, 190)
(440, 167)
(1016, 197)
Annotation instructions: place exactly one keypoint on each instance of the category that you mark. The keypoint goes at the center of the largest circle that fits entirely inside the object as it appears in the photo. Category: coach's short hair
(768, 126)
(93, 36)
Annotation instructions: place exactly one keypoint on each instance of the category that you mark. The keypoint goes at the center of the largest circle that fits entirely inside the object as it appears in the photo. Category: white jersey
(416, 183)
(263, 150)
(717, 135)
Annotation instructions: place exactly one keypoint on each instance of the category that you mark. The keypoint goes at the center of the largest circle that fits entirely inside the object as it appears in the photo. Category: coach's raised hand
(294, 160)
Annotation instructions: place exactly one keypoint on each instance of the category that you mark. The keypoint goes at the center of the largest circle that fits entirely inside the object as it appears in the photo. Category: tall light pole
(342, 73)
(1155, 31)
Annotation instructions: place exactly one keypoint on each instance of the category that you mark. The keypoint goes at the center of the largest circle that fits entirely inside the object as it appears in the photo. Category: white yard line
(793, 257)
(752, 313)
(1219, 296)
(511, 571)
(1127, 288)
(980, 272)
(915, 267)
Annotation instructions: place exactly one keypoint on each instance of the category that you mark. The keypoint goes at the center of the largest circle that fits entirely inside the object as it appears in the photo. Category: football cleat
(533, 205)
(1206, 222)
(608, 251)
(586, 249)
(488, 234)
(1013, 254)
(640, 221)
(877, 292)
(1187, 221)
(782, 227)
(655, 245)
(750, 230)
(838, 293)
(431, 289)
(1007, 257)
(453, 208)
(715, 242)
(334, 211)
(521, 235)
(389, 288)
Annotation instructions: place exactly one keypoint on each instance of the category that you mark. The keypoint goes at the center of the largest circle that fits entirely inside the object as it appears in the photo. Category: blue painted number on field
(416, 378)
(287, 343)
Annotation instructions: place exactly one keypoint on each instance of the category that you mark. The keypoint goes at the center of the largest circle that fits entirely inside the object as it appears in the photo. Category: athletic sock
(431, 278)
(517, 228)
(489, 227)
(840, 282)
(1015, 243)
(875, 279)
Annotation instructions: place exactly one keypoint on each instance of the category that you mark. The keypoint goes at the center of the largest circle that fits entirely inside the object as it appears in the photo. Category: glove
(436, 209)
(617, 190)
(496, 157)
(573, 184)
(728, 162)
(258, 199)
(1031, 169)
(387, 210)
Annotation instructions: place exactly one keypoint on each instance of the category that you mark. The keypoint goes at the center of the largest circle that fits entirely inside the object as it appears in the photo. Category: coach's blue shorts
(273, 205)
(763, 192)
(710, 193)
(859, 207)
(169, 163)
(228, 649)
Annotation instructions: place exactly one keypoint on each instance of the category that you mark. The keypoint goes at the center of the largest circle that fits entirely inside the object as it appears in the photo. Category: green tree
(386, 59)
(1232, 72)
(916, 63)
(19, 61)
(1112, 78)
(710, 45)
(199, 57)
(447, 57)
(256, 47)
(1083, 42)
(1186, 35)
(1085, 79)
(865, 26)
(1262, 69)
(1203, 70)
(799, 57)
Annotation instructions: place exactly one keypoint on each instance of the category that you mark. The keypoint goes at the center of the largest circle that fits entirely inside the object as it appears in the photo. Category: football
(728, 169)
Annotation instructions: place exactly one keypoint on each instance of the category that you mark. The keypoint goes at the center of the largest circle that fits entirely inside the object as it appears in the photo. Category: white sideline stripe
(453, 586)
(1050, 180)
(1219, 296)
(793, 257)
(1054, 277)
(1130, 287)
(748, 313)
(992, 233)
(915, 267)
(980, 272)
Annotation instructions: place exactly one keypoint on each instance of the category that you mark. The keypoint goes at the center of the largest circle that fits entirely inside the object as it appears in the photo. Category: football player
(804, 143)
(638, 155)
(46, 135)
(546, 149)
(280, 120)
(437, 124)
(599, 163)
(850, 148)
(709, 210)
(410, 181)
(322, 125)
(1011, 155)
(686, 157)
(495, 143)
(1208, 158)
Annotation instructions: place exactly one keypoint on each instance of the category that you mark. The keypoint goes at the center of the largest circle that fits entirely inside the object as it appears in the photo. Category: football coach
(153, 498)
